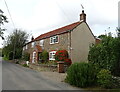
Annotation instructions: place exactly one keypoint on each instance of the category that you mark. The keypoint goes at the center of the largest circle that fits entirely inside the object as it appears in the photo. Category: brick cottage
(76, 38)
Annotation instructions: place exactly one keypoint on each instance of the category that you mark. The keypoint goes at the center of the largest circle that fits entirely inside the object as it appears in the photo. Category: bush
(10, 55)
(61, 55)
(67, 62)
(81, 74)
(106, 55)
(104, 78)
(44, 56)
(26, 56)
(25, 65)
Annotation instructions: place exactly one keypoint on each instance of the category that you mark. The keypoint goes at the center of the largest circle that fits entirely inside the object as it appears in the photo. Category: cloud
(40, 16)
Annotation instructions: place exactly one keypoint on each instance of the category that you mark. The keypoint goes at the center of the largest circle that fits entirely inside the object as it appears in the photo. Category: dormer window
(54, 39)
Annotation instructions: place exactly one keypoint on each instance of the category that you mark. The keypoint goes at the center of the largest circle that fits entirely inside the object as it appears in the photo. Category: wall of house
(62, 44)
(29, 50)
(81, 39)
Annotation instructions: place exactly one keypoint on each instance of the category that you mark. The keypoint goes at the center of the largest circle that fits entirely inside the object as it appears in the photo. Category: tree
(15, 43)
(3, 19)
(102, 36)
(106, 55)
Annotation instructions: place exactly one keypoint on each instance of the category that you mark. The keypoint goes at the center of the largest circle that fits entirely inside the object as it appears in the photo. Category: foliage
(3, 19)
(102, 36)
(26, 56)
(81, 74)
(115, 82)
(67, 62)
(15, 43)
(10, 55)
(106, 55)
(61, 55)
(45, 56)
(25, 65)
(104, 78)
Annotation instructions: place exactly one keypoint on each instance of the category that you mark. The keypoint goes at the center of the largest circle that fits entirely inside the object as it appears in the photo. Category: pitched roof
(58, 31)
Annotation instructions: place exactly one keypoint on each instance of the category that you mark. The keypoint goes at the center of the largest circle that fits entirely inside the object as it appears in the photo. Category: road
(16, 77)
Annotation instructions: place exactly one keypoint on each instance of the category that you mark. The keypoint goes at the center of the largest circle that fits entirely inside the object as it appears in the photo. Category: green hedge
(106, 55)
(104, 78)
(81, 74)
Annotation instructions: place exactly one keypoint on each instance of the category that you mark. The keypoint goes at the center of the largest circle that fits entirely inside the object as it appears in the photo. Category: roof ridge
(58, 30)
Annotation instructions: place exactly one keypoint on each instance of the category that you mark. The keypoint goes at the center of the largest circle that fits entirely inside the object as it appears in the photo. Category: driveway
(16, 77)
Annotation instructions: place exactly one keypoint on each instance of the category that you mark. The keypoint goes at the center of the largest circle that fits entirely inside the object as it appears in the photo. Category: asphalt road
(16, 77)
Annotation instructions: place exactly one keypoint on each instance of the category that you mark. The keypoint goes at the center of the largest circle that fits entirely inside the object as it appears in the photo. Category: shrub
(68, 62)
(25, 65)
(26, 56)
(106, 55)
(104, 78)
(61, 55)
(81, 74)
(44, 56)
(10, 55)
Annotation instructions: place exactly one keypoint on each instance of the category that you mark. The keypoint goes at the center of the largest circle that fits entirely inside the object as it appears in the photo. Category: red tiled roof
(39, 49)
(58, 31)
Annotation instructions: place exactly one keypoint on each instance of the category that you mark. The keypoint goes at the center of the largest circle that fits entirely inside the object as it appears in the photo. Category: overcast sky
(40, 16)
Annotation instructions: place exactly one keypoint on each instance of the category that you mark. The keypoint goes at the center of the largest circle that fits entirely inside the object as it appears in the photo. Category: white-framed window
(41, 42)
(52, 55)
(33, 44)
(26, 47)
(54, 39)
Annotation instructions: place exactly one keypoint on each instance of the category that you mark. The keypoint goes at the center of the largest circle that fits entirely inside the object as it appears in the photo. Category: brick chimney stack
(83, 16)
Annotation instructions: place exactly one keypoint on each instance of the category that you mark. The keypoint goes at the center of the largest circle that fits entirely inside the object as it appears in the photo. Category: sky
(40, 16)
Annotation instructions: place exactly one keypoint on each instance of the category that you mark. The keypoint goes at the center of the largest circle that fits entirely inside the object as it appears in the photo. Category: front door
(34, 57)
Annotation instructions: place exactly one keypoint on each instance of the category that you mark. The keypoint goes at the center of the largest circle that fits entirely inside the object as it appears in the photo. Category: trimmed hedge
(81, 74)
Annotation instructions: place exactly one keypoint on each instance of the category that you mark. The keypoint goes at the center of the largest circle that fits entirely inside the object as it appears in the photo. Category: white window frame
(32, 44)
(52, 55)
(52, 39)
(41, 42)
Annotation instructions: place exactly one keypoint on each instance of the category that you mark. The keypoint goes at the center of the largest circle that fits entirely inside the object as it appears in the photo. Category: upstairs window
(53, 39)
(52, 55)
(33, 44)
(41, 42)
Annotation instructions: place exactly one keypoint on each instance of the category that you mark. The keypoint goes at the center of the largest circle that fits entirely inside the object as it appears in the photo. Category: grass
(49, 63)
(25, 65)
(5, 58)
